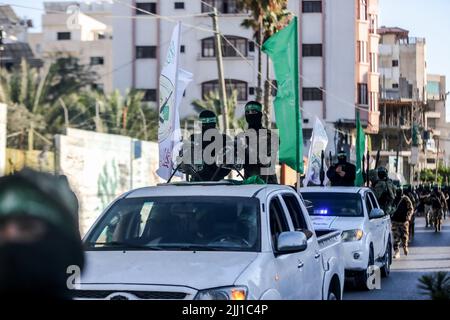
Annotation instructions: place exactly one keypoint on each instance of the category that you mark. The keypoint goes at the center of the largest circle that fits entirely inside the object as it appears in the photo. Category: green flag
(360, 149)
(282, 48)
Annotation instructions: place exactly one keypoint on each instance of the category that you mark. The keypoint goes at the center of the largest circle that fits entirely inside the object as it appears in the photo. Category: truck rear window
(333, 204)
(179, 223)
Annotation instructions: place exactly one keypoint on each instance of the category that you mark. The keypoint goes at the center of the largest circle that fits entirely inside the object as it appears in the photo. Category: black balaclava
(253, 115)
(342, 158)
(208, 120)
(36, 265)
(38, 268)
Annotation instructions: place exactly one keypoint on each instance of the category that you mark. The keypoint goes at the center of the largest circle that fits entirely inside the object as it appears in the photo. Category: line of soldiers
(404, 204)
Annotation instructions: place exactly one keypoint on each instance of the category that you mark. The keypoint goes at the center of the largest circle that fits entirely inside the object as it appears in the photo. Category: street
(429, 252)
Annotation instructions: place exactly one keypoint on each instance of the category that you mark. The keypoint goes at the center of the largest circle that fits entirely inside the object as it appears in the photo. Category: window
(231, 85)
(395, 63)
(373, 23)
(223, 6)
(362, 94)
(278, 223)
(362, 51)
(311, 6)
(145, 52)
(228, 47)
(295, 212)
(312, 94)
(63, 36)
(251, 46)
(98, 87)
(176, 223)
(97, 61)
(182, 49)
(363, 10)
(149, 95)
(368, 204)
(141, 7)
(374, 200)
(179, 5)
(312, 50)
(251, 91)
(395, 85)
(333, 204)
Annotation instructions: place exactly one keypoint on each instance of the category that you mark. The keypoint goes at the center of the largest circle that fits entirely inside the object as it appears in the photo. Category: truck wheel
(363, 276)
(332, 296)
(386, 269)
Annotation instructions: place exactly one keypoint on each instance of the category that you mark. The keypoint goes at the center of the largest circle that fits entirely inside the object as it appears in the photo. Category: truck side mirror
(376, 213)
(292, 241)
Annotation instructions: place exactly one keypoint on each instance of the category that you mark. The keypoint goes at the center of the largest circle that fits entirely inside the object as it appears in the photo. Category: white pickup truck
(365, 228)
(210, 241)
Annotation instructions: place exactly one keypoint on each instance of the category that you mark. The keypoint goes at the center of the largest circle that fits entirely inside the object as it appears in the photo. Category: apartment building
(437, 126)
(140, 45)
(403, 96)
(14, 36)
(339, 47)
(81, 30)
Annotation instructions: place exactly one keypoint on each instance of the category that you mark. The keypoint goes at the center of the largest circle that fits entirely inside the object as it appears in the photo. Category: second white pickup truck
(214, 241)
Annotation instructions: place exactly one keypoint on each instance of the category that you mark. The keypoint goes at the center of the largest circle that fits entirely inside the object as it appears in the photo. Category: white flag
(319, 142)
(173, 82)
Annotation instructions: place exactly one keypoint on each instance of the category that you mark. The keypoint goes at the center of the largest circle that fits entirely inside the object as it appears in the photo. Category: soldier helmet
(382, 173)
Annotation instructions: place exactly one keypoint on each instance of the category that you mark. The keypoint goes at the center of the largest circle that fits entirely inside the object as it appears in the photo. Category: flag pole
(297, 109)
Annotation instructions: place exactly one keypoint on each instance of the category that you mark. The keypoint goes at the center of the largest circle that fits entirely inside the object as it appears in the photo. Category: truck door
(375, 227)
(385, 225)
(312, 259)
(290, 277)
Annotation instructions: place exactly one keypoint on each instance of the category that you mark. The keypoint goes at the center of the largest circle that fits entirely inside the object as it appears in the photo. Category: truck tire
(386, 269)
(362, 277)
(332, 296)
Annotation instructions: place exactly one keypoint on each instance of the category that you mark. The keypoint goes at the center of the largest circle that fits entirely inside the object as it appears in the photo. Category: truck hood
(337, 223)
(199, 270)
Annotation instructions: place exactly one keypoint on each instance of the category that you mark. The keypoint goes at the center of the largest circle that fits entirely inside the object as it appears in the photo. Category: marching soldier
(384, 190)
(437, 209)
(401, 218)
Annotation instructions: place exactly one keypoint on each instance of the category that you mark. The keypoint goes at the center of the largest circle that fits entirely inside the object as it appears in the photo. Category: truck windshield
(333, 204)
(179, 223)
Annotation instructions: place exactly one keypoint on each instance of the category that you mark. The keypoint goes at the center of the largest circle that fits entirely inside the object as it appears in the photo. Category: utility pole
(437, 160)
(222, 88)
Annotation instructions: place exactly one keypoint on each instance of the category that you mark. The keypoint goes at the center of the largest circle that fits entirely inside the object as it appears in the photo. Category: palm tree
(267, 17)
(32, 95)
(437, 285)
(212, 102)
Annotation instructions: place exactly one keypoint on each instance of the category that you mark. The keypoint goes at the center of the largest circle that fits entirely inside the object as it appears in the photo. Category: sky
(423, 18)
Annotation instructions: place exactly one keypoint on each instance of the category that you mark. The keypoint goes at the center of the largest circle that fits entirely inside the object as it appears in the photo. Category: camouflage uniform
(401, 218)
(436, 213)
(385, 192)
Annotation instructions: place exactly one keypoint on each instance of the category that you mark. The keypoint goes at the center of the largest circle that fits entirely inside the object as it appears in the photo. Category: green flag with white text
(282, 49)
(360, 151)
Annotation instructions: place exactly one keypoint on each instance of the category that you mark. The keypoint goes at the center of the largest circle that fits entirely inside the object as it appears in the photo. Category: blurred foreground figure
(39, 238)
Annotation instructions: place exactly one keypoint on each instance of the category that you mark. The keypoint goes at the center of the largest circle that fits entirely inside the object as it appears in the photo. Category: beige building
(79, 30)
(436, 124)
(338, 53)
(403, 96)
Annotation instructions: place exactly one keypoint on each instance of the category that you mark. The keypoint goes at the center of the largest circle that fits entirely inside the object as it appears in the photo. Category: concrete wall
(3, 110)
(100, 167)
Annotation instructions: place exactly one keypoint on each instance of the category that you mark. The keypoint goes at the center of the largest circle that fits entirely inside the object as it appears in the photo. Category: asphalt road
(429, 252)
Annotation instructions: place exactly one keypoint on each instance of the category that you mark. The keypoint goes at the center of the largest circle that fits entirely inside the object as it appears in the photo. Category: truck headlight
(352, 235)
(226, 293)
